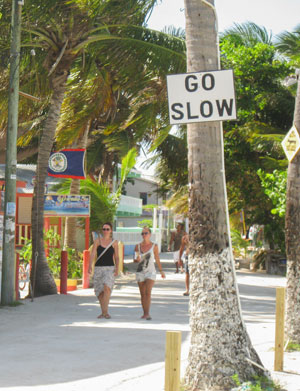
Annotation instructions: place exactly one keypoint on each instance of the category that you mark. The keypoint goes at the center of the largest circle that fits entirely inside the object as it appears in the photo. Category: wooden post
(279, 329)
(172, 361)
(121, 257)
(64, 272)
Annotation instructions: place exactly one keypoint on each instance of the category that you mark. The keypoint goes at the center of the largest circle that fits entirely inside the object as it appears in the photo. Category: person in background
(175, 239)
(106, 267)
(184, 249)
(145, 253)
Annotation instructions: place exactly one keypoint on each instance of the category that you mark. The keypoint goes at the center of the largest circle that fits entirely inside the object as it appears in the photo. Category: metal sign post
(8, 263)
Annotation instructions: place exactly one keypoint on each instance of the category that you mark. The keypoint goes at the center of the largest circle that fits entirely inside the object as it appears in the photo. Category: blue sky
(275, 15)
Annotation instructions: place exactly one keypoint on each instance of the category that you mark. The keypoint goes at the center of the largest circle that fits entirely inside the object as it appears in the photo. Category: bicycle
(24, 275)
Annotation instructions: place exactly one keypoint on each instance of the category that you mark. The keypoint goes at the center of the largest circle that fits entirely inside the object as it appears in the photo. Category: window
(143, 196)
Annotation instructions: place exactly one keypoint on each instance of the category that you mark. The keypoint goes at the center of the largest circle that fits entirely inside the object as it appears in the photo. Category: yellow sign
(291, 143)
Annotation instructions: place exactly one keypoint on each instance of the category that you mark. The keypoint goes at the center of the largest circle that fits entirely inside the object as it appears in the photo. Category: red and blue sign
(67, 163)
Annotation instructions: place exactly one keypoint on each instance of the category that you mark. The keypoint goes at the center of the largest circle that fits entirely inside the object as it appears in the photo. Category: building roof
(27, 173)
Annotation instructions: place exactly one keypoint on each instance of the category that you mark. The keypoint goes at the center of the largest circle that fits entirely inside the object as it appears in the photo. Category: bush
(75, 261)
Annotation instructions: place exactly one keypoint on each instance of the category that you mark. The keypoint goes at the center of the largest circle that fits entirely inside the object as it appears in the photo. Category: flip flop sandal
(107, 316)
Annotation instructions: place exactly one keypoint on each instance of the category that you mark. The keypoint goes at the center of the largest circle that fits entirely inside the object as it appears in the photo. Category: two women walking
(107, 264)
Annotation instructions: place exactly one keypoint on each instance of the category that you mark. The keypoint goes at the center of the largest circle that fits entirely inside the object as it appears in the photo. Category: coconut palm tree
(220, 345)
(248, 34)
(59, 41)
(289, 44)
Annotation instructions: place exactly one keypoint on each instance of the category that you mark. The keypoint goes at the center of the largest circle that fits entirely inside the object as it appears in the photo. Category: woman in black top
(106, 267)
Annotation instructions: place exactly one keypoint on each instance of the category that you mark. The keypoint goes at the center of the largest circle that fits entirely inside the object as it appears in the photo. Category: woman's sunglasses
(144, 233)
(105, 229)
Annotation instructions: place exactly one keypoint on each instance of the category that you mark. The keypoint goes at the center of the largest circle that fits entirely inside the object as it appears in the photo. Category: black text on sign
(201, 97)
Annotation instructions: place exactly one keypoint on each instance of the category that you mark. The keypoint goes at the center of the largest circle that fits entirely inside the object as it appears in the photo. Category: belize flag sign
(67, 163)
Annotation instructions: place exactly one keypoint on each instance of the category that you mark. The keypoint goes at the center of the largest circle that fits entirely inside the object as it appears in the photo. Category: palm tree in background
(289, 44)
(58, 43)
(116, 114)
(220, 346)
(247, 34)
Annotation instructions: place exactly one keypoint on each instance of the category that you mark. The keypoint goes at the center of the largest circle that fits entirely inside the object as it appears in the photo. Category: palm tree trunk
(42, 281)
(292, 224)
(220, 346)
(71, 222)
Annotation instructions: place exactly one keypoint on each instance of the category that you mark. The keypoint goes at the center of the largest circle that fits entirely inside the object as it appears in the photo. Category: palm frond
(248, 34)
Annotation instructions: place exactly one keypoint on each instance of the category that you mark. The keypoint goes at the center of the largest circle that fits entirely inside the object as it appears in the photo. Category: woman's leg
(104, 300)
(147, 302)
(142, 287)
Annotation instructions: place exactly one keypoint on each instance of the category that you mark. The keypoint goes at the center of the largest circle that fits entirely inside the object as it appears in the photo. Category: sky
(275, 15)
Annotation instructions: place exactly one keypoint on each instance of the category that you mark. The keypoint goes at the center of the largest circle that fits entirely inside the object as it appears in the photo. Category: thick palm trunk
(292, 239)
(41, 277)
(220, 346)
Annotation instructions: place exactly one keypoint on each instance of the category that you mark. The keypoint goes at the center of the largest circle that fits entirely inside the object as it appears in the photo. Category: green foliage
(13, 304)
(265, 112)
(104, 204)
(247, 34)
(274, 185)
(288, 43)
(258, 74)
(75, 261)
(258, 383)
(238, 243)
(150, 207)
(54, 260)
(145, 223)
(179, 201)
(293, 347)
(171, 160)
(26, 251)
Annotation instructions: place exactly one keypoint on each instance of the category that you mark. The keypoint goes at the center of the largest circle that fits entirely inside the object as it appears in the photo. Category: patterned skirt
(104, 275)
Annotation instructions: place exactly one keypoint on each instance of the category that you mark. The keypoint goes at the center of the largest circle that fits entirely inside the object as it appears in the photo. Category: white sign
(291, 143)
(201, 97)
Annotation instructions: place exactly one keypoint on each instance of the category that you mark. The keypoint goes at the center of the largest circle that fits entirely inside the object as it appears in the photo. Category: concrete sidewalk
(57, 342)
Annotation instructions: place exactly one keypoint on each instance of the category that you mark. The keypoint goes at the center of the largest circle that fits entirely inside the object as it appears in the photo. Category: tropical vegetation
(289, 43)
(99, 64)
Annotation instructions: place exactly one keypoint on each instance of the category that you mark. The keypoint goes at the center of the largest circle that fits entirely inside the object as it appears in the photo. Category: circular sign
(58, 162)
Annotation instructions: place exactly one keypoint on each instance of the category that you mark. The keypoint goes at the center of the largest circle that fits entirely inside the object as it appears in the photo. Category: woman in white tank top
(146, 253)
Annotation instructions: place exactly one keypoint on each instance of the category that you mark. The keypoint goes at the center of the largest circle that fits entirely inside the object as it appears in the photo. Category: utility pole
(8, 261)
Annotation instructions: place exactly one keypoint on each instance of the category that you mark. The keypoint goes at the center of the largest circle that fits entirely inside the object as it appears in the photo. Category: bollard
(86, 276)
(279, 330)
(172, 361)
(64, 272)
(121, 257)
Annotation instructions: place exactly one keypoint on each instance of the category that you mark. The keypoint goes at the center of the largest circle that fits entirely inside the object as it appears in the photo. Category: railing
(24, 231)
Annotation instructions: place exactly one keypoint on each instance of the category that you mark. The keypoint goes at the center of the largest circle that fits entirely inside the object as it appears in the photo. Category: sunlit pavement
(57, 343)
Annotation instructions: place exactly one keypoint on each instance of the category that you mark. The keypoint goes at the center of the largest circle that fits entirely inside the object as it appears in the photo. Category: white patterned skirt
(104, 275)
